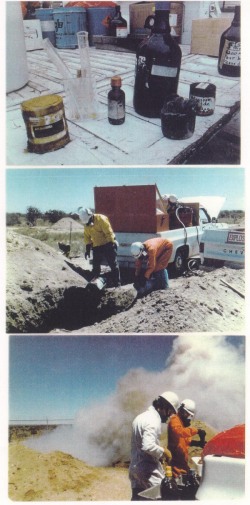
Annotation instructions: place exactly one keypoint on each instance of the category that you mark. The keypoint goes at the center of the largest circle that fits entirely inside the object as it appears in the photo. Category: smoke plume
(209, 369)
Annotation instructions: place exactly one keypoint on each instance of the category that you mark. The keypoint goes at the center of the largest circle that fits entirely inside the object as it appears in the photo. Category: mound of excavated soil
(37, 277)
(46, 292)
(199, 303)
(56, 476)
(67, 223)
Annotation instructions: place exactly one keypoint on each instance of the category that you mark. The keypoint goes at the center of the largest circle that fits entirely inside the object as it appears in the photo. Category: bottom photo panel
(131, 417)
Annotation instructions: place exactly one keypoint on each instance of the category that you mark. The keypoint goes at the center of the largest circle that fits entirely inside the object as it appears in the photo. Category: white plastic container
(17, 69)
(223, 478)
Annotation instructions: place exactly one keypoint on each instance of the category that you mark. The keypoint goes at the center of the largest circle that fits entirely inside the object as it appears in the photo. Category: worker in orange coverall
(180, 435)
(156, 252)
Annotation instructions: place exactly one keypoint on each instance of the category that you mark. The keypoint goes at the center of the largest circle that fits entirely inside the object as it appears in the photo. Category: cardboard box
(131, 208)
(138, 14)
(33, 34)
(206, 34)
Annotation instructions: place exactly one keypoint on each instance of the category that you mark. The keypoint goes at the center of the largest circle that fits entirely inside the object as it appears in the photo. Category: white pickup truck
(223, 245)
(138, 213)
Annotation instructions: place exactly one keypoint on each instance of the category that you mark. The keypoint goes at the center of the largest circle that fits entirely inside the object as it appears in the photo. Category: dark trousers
(109, 253)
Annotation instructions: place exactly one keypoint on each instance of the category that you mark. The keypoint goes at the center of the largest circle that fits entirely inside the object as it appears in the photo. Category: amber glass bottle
(158, 62)
(169, 488)
(118, 25)
(229, 50)
(116, 102)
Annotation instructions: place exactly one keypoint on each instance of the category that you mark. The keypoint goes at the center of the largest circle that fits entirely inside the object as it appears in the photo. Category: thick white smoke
(206, 368)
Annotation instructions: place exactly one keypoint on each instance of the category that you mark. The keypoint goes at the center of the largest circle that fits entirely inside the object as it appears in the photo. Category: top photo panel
(123, 83)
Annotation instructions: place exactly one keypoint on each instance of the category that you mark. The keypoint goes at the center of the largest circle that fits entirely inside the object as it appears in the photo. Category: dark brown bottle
(118, 25)
(158, 62)
(229, 50)
(169, 488)
(116, 102)
(191, 485)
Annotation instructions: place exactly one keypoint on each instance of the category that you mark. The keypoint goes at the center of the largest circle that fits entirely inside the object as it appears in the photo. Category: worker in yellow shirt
(99, 236)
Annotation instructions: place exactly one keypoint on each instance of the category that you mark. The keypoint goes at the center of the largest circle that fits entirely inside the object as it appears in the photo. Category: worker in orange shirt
(180, 435)
(155, 253)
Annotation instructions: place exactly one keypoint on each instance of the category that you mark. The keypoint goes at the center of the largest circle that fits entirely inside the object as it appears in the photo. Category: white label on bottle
(164, 71)
(202, 85)
(121, 32)
(173, 19)
(230, 54)
(115, 110)
(205, 103)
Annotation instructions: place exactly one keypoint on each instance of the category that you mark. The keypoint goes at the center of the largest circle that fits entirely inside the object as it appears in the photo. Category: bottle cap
(162, 6)
(116, 81)
(168, 471)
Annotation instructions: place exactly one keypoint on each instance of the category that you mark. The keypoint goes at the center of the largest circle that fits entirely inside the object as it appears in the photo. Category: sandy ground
(199, 303)
(46, 293)
(56, 476)
(60, 477)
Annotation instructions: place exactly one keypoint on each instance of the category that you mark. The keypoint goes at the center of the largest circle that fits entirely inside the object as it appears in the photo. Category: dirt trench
(49, 293)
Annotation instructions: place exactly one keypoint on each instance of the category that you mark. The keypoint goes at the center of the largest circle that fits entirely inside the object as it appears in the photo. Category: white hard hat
(171, 398)
(137, 249)
(189, 406)
(173, 198)
(84, 214)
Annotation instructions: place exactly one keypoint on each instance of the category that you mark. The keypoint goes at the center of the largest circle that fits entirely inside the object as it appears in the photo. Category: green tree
(32, 215)
(54, 215)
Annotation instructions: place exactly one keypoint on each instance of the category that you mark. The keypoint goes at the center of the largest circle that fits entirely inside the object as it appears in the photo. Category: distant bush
(54, 215)
(13, 218)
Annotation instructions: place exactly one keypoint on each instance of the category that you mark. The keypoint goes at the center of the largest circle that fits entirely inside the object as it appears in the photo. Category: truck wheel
(179, 262)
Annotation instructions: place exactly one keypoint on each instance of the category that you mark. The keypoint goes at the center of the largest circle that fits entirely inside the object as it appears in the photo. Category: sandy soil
(199, 303)
(46, 293)
(56, 476)
(60, 477)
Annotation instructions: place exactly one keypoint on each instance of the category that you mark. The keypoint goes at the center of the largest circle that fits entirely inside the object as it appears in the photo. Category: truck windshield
(204, 217)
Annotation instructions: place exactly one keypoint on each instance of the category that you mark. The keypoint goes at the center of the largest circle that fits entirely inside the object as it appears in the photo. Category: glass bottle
(169, 488)
(158, 62)
(118, 25)
(116, 102)
(229, 50)
(191, 484)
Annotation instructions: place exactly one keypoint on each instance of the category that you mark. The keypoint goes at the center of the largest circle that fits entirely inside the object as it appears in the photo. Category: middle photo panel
(125, 251)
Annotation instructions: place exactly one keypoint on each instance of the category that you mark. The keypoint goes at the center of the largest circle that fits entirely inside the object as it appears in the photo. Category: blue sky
(53, 377)
(67, 189)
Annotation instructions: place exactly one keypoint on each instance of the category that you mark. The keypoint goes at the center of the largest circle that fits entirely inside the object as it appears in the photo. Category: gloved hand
(87, 252)
(167, 455)
(195, 443)
(202, 434)
(136, 283)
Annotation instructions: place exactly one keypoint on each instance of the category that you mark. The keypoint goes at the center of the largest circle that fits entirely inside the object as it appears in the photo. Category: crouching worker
(99, 236)
(180, 435)
(156, 253)
(145, 468)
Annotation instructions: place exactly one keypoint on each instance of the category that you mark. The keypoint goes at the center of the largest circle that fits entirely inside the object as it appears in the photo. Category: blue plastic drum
(98, 21)
(69, 21)
(47, 24)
